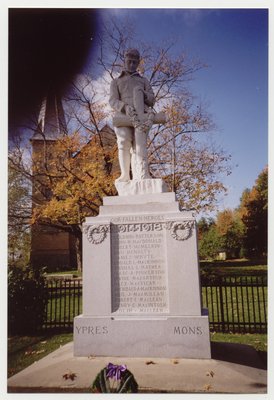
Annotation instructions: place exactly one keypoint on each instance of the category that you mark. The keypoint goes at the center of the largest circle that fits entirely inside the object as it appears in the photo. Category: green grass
(230, 266)
(258, 341)
(239, 266)
(63, 306)
(74, 272)
(239, 300)
(239, 304)
(25, 350)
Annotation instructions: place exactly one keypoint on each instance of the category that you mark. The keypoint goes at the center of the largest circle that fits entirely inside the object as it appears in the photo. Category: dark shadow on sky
(47, 47)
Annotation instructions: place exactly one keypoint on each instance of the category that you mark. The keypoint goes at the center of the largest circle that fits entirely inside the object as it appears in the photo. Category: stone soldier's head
(132, 59)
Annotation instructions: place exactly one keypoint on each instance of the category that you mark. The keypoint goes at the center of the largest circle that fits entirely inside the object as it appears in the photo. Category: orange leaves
(177, 114)
(191, 166)
(141, 66)
(225, 221)
(184, 116)
(258, 194)
(76, 177)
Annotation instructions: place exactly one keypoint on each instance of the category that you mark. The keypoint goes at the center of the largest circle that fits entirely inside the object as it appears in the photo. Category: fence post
(222, 316)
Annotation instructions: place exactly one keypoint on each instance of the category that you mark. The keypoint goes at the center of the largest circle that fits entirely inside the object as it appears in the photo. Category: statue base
(141, 282)
(142, 186)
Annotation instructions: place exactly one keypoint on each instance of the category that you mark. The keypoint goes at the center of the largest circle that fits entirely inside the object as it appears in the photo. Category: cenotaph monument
(141, 284)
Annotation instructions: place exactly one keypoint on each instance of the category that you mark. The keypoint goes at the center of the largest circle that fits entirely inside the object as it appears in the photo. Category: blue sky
(234, 45)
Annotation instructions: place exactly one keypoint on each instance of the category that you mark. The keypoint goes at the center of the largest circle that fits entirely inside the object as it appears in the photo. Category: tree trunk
(78, 249)
(77, 245)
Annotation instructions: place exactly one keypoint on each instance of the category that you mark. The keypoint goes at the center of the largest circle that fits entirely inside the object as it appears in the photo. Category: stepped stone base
(141, 283)
(183, 337)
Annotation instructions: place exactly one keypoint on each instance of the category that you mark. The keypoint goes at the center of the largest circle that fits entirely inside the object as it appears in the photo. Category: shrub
(27, 300)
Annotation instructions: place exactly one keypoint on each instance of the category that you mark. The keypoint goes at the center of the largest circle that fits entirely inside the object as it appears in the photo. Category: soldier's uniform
(135, 91)
(122, 91)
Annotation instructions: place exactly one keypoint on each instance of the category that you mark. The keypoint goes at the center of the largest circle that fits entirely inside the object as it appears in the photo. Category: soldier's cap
(132, 53)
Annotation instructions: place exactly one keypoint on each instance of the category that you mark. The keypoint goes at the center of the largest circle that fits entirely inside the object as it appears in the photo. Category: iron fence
(64, 303)
(234, 303)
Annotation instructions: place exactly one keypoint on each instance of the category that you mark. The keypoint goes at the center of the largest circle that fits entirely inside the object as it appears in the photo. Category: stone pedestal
(141, 293)
(140, 186)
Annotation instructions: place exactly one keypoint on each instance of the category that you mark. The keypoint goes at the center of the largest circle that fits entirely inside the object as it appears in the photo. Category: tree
(254, 214)
(76, 184)
(69, 185)
(179, 151)
(204, 224)
(231, 229)
(225, 233)
(69, 181)
(190, 165)
(19, 213)
(211, 243)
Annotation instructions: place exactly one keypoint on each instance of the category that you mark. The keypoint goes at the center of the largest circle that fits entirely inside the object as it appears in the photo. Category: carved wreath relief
(96, 234)
(182, 230)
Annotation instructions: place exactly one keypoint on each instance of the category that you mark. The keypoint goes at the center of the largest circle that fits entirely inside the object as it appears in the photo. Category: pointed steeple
(51, 121)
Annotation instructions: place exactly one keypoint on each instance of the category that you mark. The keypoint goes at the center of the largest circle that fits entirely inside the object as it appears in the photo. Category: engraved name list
(139, 273)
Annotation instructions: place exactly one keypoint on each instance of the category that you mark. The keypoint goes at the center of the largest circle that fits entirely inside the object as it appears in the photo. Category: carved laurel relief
(180, 230)
(96, 234)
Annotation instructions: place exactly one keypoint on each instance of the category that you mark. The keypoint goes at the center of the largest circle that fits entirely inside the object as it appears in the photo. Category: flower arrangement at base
(114, 379)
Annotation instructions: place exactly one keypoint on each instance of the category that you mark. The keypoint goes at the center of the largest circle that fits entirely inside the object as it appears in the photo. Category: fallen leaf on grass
(44, 342)
(207, 387)
(150, 362)
(32, 352)
(40, 351)
(210, 373)
(70, 375)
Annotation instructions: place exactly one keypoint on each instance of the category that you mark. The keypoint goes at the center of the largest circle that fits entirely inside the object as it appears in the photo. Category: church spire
(51, 121)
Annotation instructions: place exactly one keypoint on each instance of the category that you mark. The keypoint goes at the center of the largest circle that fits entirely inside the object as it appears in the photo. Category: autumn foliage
(254, 214)
(71, 179)
(71, 175)
(241, 232)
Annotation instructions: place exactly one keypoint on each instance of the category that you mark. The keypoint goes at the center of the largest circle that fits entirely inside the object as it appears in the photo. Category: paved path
(232, 369)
